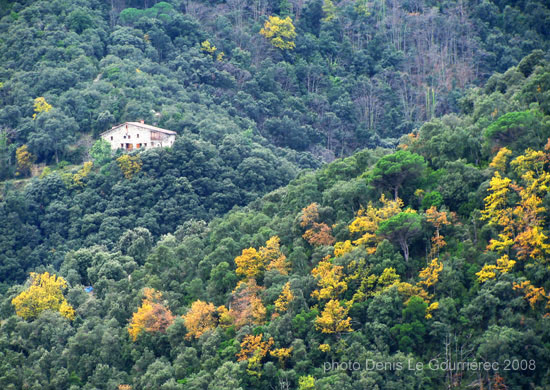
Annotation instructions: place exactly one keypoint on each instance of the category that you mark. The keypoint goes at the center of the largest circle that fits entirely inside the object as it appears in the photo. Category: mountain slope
(330, 281)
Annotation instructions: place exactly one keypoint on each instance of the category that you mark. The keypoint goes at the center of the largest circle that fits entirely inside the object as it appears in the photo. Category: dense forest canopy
(357, 188)
(435, 251)
(352, 74)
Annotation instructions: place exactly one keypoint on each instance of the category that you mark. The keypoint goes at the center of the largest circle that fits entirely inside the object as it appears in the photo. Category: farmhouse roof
(142, 125)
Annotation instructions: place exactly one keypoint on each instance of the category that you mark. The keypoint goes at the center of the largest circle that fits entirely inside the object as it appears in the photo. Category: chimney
(142, 121)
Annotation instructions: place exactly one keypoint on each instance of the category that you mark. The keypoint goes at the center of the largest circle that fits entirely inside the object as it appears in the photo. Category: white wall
(124, 135)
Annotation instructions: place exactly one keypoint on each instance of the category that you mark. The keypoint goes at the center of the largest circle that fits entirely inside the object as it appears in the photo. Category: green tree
(6, 152)
(402, 229)
(101, 152)
(392, 170)
(518, 131)
(330, 10)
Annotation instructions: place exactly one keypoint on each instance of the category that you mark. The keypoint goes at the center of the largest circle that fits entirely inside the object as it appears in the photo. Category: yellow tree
(281, 304)
(438, 219)
(368, 220)
(254, 349)
(371, 284)
(24, 160)
(521, 222)
(499, 161)
(152, 315)
(252, 263)
(531, 242)
(329, 9)
(342, 247)
(497, 211)
(207, 47)
(334, 318)
(429, 276)
(249, 263)
(533, 294)
(44, 293)
(282, 354)
(306, 383)
(272, 256)
(225, 316)
(489, 271)
(280, 32)
(330, 280)
(82, 174)
(129, 165)
(40, 105)
(200, 318)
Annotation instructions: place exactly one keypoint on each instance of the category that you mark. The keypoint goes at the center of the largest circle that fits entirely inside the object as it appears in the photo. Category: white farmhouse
(138, 135)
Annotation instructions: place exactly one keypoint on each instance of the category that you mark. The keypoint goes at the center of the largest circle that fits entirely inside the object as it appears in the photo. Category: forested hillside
(370, 272)
(332, 78)
(357, 197)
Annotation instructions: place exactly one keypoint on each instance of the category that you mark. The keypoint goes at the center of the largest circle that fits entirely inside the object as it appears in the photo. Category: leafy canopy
(152, 315)
(280, 32)
(44, 293)
(392, 170)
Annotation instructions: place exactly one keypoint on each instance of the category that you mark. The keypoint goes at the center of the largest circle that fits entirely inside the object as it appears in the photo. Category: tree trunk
(395, 193)
(405, 249)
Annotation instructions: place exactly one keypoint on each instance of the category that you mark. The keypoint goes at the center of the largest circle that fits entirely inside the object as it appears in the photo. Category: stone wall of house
(130, 137)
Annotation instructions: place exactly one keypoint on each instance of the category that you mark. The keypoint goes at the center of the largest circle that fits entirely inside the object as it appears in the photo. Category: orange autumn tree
(44, 293)
(533, 294)
(246, 307)
(316, 233)
(254, 349)
(200, 318)
(438, 219)
(152, 315)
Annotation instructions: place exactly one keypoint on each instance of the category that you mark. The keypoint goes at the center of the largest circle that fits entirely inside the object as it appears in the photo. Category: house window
(124, 137)
(145, 144)
(111, 138)
(128, 136)
(137, 135)
(122, 145)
